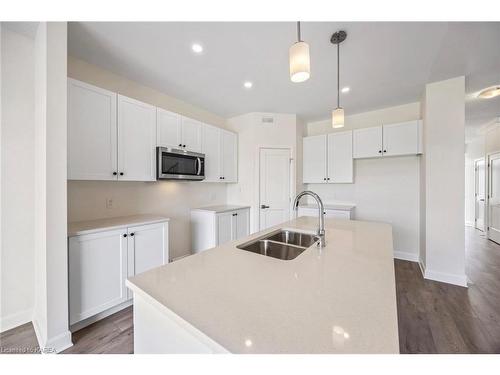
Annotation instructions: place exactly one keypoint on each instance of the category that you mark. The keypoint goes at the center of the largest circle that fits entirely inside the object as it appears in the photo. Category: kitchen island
(336, 299)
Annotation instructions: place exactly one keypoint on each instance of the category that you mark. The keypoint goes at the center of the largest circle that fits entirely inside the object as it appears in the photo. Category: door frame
(485, 192)
(487, 196)
(291, 178)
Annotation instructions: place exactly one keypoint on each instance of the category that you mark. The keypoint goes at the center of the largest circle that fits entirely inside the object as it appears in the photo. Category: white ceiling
(383, 63)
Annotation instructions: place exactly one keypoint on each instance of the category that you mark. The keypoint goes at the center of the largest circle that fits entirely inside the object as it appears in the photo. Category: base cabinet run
(99, 264)
(210, 228)
(329, 213)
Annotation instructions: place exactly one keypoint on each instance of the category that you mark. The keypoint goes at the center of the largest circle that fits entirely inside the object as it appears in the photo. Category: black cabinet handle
(324, 179)
(379, 151)
(180, 144)
(115, 173)
(121, 173)
(125, 235)
(183, 145)
(264, 206)
(385, 150)
(132, 234)
(328, 178)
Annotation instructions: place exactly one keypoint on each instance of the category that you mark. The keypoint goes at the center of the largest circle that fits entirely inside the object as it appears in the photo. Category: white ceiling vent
(267, 120)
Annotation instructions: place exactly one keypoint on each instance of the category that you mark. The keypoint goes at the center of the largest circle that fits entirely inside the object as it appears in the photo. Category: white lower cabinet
(329, 213)
(210, 228)
(99, 264)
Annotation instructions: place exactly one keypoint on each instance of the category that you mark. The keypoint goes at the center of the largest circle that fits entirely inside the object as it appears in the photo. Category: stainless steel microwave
(174, 164)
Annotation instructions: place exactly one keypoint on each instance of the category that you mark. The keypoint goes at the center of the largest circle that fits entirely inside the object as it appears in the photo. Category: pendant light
(300, 66)
(338, 113)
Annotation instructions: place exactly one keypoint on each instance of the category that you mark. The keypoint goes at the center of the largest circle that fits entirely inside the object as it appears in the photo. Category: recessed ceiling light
(346, 89)
(197, 48)
(489, 92)
(248, 84)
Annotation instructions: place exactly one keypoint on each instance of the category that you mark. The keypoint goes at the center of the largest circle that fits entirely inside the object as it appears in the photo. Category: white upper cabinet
(210, 146)
(92, 148)
(367, 142)
(388, 140)
(229, 156)
(191, 134)
(168, 129)
(314, 159)
(340, 157)
(401, 138)
(136, 140)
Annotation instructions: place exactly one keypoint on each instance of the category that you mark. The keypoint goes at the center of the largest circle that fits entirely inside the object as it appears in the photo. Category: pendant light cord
(338, 75)
(298, 31)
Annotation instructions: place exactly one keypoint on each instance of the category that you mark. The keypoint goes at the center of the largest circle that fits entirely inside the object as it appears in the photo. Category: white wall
(50, 318)
(87, 199)
(253, 135)
(17, 190)
(473, 150)
(385, 189)
(444, 124)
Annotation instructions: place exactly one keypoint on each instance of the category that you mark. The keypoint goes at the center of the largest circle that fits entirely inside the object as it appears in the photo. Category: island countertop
(339, 299)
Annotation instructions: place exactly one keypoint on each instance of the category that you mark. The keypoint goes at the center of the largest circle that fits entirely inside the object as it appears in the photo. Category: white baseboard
(86, 322)
(405, 255)
(460, 280)
(422, 267)
(54, 344)
(15, 320)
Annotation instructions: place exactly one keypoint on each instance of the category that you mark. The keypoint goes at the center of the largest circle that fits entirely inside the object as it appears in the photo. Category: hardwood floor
(433, 317)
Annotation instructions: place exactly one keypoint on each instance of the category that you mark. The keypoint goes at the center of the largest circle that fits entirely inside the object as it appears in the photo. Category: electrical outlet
(109, 203)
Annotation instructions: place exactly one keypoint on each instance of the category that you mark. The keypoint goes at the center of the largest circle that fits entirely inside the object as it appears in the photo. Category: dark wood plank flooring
(433, 317)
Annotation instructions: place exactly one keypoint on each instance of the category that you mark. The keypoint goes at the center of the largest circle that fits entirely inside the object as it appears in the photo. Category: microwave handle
(199, 166)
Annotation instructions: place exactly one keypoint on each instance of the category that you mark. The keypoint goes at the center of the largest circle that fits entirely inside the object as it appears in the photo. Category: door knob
(264, 206)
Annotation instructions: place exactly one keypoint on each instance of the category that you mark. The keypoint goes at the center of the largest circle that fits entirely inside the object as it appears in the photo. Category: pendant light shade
(338, 118)
(338, 113)
(300, 64)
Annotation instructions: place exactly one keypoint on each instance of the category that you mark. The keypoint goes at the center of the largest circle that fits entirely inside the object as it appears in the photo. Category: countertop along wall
(87, 199)
(385, 189)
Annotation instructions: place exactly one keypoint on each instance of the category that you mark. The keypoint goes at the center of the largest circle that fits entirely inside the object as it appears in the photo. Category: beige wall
(385, 189)
(87, 199)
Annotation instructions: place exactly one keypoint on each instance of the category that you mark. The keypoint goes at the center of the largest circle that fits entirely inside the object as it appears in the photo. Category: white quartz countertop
(100, 225)
(220, 208)
(332, 206)
(339, 299)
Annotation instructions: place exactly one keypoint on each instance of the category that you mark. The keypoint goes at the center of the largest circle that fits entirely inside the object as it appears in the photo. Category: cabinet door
(224, 227)
(242, 224)
(168, 129)
(136, 140)
(191, 134)
(340, 157)
(314, 159)
(211, 147)
(97, 273)
(147, 247)
(91, 132)
(367, 143)
(401, 138)
(229, 156)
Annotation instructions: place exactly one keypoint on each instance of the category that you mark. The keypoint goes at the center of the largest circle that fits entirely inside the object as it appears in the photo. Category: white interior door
(479, 192)
(274, 186)
(494, 198)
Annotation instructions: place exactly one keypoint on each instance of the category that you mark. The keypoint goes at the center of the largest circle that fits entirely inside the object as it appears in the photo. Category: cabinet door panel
(367, 143)
(149, 245)
(314, 159)
(229, 156)
(211, 147)
(168, 129)
(91, 132)
(191, 134)
(242, 223)
(97, 273)
(401, 138)
(340, 157)
(136, 140)
(224, 227)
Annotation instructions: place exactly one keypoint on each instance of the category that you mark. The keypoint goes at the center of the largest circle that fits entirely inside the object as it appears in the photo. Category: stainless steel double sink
(281, 244)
